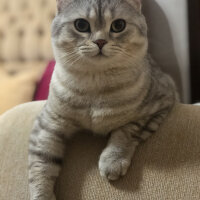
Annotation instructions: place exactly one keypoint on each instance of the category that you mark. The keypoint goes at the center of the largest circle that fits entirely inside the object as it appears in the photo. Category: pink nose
(100, 43)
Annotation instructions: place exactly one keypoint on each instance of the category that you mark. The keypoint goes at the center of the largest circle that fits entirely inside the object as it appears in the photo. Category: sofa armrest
(167, 166)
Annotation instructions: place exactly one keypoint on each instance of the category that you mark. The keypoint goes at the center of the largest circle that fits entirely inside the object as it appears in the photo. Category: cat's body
(106, 100)
(104, 81)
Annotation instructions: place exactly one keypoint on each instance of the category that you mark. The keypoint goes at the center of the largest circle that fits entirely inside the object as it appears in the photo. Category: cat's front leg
(116, 157)
(46, 152)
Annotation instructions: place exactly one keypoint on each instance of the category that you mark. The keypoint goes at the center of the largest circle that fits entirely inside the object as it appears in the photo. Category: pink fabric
(42, 90)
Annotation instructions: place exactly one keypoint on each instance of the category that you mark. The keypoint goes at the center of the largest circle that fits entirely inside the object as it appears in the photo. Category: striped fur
(122, 93)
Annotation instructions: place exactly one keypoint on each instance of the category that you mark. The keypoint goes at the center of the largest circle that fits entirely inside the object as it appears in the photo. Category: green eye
(82, 25)
(118, 26)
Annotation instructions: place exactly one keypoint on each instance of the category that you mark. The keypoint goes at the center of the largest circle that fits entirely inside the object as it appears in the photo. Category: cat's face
(99, 32)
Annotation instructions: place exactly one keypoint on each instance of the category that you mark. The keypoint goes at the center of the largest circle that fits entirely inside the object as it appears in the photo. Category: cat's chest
(99, 103)
(102, 120)
(105, 119)
(103, 113)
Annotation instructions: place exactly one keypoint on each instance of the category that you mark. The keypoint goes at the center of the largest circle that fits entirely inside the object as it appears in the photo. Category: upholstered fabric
(25, 47)
(25, 29)
(18, 82)
(167, 166)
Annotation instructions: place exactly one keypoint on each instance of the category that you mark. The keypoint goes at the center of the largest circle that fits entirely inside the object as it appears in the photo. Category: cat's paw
(51, 197)
(113, 165)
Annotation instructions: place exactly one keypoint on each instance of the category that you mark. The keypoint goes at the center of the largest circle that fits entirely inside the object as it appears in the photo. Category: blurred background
(25, 48)
(26, 54)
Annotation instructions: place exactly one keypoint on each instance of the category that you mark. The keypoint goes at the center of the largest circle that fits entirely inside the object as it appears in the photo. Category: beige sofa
(167, 166)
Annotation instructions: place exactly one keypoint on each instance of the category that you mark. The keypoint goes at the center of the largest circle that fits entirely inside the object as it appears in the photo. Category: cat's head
(99, 32)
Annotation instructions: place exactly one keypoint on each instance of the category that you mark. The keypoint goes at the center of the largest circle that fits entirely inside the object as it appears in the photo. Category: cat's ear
(136, 3)
(59, 5)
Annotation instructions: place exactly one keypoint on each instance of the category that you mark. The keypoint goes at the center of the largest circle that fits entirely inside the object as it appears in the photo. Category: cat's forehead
(102, 10)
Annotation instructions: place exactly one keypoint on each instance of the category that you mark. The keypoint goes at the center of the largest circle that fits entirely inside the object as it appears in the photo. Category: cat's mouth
(101, 55)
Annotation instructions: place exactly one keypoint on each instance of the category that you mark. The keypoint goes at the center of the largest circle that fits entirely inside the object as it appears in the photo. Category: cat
(104, 81)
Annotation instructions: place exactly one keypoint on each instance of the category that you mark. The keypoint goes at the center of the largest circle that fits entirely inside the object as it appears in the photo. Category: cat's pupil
(118, 25)
(82, 25)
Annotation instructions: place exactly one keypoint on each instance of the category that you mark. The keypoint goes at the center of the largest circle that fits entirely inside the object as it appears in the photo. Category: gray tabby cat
(104, 81)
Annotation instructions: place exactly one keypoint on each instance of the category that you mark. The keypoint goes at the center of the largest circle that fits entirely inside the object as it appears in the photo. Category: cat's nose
(100, 43)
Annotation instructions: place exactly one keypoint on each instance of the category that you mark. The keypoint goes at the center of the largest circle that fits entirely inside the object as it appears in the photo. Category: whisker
(72, 59)
(75, 60)
(68, 55)
(69, 59)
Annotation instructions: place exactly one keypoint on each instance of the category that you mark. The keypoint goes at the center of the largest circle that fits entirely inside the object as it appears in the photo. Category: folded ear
(62, 3)
(136, 3)
(59, 5)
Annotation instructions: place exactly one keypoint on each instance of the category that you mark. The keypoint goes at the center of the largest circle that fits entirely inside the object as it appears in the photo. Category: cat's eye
(82, 25)
(118, 26)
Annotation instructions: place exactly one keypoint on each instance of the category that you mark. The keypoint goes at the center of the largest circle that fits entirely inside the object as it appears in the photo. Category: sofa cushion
(18, 82)
(167, 166)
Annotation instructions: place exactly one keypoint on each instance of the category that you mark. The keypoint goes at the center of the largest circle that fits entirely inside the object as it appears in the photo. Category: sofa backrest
(25, 29)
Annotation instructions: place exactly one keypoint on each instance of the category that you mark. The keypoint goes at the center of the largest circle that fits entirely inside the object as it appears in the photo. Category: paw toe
(113, 169)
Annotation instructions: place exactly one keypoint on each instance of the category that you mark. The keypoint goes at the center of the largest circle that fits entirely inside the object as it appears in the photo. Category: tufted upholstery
(25, 48)
(25, 29)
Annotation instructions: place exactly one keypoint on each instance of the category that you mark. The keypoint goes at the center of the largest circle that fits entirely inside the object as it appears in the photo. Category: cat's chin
(100, 56)
(101, 59)
(98, 60)
(97, 57)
